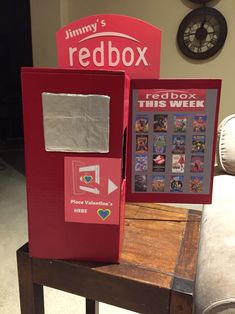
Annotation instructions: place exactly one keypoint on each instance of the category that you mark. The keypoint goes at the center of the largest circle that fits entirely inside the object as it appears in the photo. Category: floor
(13, 234)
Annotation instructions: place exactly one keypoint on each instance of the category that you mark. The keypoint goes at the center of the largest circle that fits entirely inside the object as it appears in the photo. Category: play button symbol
(111, 186)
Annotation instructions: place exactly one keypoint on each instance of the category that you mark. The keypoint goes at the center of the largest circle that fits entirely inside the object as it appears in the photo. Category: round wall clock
(202, 33)
(200, 1)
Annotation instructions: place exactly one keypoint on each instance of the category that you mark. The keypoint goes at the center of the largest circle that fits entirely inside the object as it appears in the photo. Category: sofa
(215, 278)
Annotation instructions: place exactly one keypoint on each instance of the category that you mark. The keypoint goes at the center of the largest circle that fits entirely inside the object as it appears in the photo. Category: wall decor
(200, 1)
(202, 32)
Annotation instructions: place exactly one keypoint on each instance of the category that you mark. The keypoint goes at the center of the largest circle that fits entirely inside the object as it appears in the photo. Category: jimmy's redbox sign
(113, 42)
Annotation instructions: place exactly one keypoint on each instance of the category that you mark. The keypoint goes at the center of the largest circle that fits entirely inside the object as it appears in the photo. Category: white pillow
(226, 145)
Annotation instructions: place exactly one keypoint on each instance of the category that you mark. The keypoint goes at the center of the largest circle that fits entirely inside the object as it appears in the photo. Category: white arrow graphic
(111, 186)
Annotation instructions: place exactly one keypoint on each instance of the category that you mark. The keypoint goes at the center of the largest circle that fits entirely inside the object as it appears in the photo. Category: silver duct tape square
(76, 123)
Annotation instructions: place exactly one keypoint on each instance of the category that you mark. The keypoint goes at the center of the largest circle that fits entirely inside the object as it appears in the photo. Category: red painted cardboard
(113, 42)
(50, 236)
(92, 191)
(171, 140)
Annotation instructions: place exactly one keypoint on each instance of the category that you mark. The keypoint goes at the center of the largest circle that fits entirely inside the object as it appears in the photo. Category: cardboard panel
(49, 235)
(92, 191)
(172, 135)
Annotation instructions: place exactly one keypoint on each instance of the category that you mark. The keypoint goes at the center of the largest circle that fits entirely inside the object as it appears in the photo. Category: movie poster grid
(154, 158)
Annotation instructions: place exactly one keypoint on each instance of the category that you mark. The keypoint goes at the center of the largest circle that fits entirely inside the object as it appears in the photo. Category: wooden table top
(156, 270)
(160, 245)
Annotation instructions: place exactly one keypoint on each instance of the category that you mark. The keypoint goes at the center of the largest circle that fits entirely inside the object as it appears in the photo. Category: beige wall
(45, 21)
(48, 16)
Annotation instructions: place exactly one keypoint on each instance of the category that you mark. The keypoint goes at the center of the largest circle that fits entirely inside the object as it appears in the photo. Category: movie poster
(141, 162)
(178, 163)
(141, 124)
(180, 123)
(158, 183)
(197, 163)
(160, 123)
(159, 144)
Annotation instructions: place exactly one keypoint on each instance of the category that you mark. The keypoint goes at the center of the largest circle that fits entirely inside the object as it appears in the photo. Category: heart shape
(87, 179)
(104, 213)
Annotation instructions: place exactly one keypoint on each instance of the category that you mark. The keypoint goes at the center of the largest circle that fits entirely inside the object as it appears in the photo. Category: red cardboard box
(75, 196)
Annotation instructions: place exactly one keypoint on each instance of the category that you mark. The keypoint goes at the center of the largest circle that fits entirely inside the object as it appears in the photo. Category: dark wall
(15, 52)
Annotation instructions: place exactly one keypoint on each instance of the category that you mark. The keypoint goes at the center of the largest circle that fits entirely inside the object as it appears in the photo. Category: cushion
(226, 145)
(215, 279)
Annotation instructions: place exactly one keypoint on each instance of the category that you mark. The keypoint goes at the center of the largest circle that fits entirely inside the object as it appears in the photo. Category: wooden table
(155, 274)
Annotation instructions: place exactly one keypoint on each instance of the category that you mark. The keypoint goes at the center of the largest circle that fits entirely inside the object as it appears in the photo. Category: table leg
(181, 303)
(31, 294)
(92, 307)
